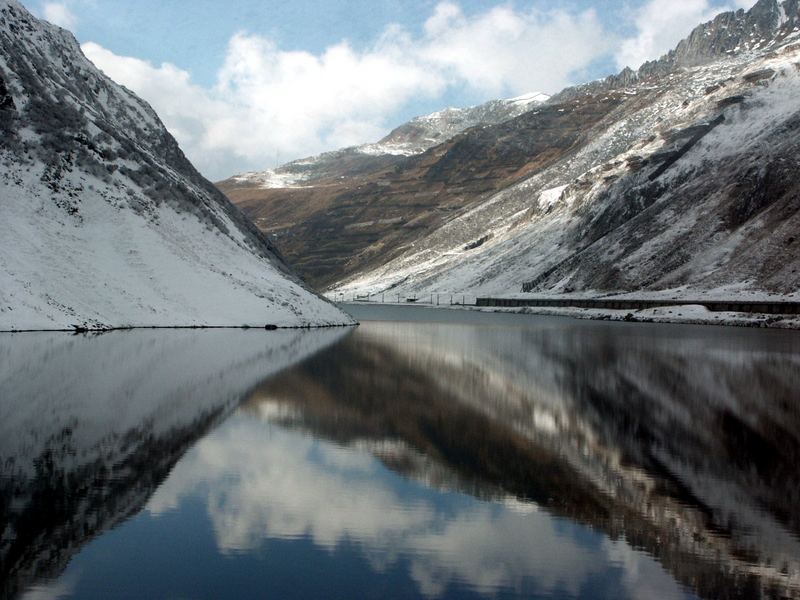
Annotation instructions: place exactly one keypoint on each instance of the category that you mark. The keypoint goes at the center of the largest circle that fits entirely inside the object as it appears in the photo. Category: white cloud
(59, 14)
(505, 51)
(661, 24)
(269, 101)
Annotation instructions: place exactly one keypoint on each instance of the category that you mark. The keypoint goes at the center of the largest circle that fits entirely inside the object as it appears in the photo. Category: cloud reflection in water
(261, 482)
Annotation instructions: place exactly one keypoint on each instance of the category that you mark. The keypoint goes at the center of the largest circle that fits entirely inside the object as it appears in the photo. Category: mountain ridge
(768, 21)
(408, 139)
(721, 234)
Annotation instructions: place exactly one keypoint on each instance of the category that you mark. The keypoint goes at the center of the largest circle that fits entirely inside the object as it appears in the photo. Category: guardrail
(745, 306)
(426, 299)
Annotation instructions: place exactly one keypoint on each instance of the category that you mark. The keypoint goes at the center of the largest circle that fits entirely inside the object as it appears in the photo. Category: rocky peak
(422, 133)
(732, 32)
(729, 33)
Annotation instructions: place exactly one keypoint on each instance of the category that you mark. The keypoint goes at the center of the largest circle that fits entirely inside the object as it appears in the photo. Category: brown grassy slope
(339, 226)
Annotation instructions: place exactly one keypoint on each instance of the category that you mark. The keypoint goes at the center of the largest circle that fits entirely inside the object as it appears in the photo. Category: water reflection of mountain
(685, 444)
(91, 425)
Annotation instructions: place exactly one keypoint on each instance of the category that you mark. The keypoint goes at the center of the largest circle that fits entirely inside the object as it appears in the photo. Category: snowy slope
(103, 221)
(687, 188)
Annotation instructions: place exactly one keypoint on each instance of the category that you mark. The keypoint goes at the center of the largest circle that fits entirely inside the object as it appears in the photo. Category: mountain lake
(424, 454)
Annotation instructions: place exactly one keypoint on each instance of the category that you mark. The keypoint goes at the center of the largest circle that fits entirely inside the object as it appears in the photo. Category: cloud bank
(270, 102)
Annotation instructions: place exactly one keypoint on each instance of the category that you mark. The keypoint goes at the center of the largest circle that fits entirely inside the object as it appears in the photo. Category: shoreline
(682, 314)
(77, 330)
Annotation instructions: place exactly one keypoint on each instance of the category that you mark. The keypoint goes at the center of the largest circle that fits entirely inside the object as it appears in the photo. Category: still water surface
(426, 454)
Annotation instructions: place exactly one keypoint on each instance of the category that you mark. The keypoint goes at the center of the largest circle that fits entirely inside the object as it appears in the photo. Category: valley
(470, 360)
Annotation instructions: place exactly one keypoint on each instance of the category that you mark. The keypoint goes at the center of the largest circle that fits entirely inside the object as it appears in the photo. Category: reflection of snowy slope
(670, 441)
(634, 415)
(120, 408)
(103, 221)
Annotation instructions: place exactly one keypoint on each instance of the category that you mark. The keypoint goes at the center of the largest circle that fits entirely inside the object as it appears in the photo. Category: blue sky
(196, 39)
(244, 83)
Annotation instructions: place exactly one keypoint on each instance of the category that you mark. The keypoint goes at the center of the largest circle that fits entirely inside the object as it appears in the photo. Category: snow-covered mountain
(428, 131)
(678, 179)
(686, 185)
(325, 210)
(103, 221)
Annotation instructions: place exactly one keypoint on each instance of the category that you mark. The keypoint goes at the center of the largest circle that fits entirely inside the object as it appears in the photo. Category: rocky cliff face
(103, 220)
(767, 24)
